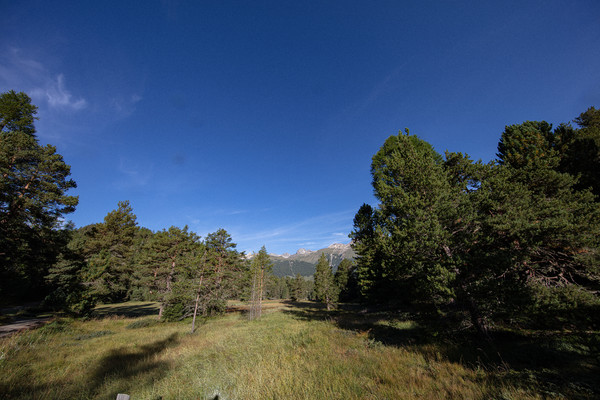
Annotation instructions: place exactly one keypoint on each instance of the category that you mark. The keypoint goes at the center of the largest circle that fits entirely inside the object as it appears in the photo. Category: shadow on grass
(130, 310)
(355, 317)
(125, 367)
(549, 362)
(119, 371)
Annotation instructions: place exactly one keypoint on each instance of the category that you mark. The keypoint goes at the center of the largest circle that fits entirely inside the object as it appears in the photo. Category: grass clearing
(295, 351)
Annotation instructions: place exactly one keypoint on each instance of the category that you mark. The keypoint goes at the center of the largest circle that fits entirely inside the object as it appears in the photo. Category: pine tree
(34, 180)
(325, 289)
(343, 279)
(226, 269)
(109, 254)
(496, 240)
(169, 258)
(260, 266)
(297, 289)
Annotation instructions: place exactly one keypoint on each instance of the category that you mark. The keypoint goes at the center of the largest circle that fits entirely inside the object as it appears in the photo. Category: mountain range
(303, 262)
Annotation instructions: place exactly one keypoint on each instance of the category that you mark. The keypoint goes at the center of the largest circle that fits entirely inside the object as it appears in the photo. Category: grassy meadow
(295, 351)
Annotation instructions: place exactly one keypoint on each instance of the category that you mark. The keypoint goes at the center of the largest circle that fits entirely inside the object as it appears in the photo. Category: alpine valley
(303, 262)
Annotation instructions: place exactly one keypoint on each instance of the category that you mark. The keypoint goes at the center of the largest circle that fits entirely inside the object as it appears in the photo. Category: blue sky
(262, 117)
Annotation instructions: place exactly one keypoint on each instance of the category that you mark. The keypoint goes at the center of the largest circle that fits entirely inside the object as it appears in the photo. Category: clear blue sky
(262, 117)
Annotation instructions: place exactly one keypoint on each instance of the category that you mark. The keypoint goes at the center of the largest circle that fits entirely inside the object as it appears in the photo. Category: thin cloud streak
(314, 222)
(316, 232)
(31, 76)
(58, 96)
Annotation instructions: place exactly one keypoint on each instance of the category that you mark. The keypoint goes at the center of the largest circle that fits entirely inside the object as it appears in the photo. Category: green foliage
(583, 153)
(297, 290)
(34, 180)
(108, 251)
(173, 311)
(525, 144)
(141, 323)
(325, 289)
(66, 278)
(346, 281)
(260, 267)
(402, 246)
(496, 241)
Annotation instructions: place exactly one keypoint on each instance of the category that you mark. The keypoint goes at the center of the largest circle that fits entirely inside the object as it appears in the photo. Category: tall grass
(290, 353)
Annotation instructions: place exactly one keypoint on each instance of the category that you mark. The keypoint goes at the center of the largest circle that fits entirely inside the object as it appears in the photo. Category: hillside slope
(304, 261)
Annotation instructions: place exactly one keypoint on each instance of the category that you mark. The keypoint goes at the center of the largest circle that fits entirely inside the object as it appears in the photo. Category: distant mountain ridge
(304, 261)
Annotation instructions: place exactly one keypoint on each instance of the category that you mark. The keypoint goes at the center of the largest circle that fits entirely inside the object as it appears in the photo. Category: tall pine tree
(34, 181)
(326, 290)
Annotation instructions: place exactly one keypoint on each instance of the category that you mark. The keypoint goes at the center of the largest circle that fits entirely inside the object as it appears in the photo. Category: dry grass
(297, 353)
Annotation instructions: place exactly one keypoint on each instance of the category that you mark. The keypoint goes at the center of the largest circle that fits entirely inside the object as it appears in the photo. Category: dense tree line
(513, 240)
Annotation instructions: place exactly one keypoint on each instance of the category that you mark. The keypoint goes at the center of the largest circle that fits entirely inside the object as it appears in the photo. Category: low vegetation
(295, 351)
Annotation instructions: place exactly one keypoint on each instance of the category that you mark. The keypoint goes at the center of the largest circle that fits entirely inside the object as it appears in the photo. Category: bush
(173, 311)
(141, 323)
(567, 305)
(93, 335)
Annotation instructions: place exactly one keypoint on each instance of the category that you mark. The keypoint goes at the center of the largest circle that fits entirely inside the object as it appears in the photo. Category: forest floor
(295, 351)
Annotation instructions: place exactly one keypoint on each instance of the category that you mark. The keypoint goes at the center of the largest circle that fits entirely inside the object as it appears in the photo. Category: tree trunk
(196, 305)
(260, 292)
(477, 319)
(170, 277)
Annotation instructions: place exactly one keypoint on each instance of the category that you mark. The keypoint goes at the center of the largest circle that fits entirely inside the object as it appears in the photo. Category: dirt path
(21, 325)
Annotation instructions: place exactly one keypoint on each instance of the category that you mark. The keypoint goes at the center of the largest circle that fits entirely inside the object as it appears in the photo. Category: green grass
(294, 351)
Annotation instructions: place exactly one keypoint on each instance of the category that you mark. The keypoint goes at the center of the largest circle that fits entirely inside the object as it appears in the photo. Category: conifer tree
(260, 266)
(34, 180)
(325, 289)
(496, 240)
(343, 280)
(169, 256)
(297, 288)
(226, 269)
(109, 254)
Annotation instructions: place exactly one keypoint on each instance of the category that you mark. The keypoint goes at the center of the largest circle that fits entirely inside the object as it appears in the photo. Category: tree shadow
(358, 318)
(553, 362)
(121, 370)
(131, 366)
(127, 310)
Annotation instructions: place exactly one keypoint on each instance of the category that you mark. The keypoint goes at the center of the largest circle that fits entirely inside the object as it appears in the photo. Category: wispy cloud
(58, 96)
(315, 232)
(24, 73)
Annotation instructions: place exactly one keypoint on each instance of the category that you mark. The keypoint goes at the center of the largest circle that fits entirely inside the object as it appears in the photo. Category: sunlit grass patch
(297, 353)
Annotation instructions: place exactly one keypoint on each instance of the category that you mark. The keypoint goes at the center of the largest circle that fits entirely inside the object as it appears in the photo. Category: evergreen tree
(226, 269)
(403, 246)
(34, 180)
(141, 280)
(494, 240)
(260, 266)
(325, 289)
(66, 279)
(109, 254)
(345, 281)
(583, 153)
(297, 288)
(168, 254)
